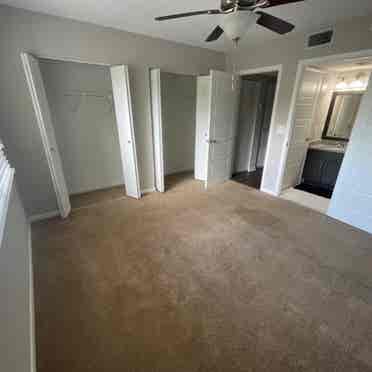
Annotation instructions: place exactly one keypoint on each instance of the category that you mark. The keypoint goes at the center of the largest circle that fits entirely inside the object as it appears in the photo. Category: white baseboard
(43, 216)
(31, 306)
(270, 192)
(147, 191)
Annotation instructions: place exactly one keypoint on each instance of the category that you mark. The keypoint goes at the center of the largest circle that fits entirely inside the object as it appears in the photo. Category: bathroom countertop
(327, 146)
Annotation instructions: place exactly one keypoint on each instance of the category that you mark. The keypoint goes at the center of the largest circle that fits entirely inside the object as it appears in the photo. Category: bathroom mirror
(341, 115)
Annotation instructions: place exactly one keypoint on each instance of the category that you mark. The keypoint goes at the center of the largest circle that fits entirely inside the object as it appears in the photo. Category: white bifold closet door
(124, 119)
(44, 120)
(157, 123)
(225, 89)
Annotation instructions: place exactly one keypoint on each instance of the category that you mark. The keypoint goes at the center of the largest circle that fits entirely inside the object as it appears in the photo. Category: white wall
(85, 127)
(353, 35)
(352, 197)
(16, 321)
(178, 99)
(46, 35)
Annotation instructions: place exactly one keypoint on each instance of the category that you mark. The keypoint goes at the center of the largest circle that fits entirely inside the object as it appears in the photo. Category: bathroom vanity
(324, 157)
(323, 162)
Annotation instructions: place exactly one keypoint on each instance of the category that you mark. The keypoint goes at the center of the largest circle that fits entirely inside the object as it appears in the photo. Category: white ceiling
(138, 16)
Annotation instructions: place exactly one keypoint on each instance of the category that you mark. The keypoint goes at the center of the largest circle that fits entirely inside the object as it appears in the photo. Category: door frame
(58, 190)
(157, 127)
(302, 64)
(274, 114)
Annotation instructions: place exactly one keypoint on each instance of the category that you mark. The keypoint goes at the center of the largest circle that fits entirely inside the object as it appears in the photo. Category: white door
(124, 121)
(304, 113)
(157, 124)
(222, 126)
(41, 107)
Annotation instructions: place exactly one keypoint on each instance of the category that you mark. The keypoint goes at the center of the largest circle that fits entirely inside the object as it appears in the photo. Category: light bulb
(341, 85)
(357, 84)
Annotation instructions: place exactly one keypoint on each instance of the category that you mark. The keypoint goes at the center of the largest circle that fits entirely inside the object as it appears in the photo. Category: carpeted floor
(91, 198)
(228, 279)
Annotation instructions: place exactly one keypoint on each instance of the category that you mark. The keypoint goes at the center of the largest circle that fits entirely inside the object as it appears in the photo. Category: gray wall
(268, 103)
(52, 36)
(178, 100)
(85, 127)
(352, 199)
(350, 36)
(15, 320)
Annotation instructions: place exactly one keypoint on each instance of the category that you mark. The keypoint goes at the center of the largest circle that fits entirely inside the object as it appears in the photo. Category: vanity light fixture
(359, 83)
(341, 85)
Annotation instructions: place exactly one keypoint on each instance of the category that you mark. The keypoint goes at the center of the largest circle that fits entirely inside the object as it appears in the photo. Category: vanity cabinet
(322, 167)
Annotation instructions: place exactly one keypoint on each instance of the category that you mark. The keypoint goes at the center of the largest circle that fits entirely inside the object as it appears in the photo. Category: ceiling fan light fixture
(236, 24)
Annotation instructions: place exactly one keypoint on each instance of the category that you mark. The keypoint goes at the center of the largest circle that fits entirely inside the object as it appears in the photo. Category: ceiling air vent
(320, 39)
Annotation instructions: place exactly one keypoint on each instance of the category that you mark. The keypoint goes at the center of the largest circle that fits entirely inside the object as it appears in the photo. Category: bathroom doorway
(326, 107)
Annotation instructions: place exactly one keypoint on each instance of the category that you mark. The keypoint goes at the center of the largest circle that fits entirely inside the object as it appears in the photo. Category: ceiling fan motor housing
(230, 4)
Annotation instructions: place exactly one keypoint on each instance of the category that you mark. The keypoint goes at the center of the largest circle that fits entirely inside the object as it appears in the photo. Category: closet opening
(81, 103)
(84, 114)
(254, 121)
(174, 98)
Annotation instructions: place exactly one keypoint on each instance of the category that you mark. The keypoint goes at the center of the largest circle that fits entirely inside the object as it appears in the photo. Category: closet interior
(81, 104)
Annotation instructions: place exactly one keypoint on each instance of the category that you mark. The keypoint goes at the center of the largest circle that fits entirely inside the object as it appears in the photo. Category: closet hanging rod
(87, 94)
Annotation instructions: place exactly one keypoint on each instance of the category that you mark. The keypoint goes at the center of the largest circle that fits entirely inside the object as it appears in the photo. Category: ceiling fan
(239, 15)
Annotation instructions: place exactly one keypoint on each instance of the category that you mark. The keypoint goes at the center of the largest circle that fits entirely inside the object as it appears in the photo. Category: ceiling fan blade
(274, 24)
(271, 3)
(188, 14)
(215, 34)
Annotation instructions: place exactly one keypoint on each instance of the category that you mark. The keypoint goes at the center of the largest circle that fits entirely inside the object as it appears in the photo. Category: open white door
(124, 121)
(298, 140)
(41, 107)
(222, 126)
(157, 124)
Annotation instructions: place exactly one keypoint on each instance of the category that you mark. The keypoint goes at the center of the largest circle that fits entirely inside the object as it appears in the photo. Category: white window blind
(6, 182)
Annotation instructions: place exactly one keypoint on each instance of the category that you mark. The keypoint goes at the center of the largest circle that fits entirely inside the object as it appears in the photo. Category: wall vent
(319, 39)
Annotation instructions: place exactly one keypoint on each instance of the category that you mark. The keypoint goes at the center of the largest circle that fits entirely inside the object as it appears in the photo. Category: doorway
(325, 110)
(257, 96)
(173, 103)
(84, 115)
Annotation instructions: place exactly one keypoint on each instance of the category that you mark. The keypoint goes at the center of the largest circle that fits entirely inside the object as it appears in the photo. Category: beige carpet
(225, 280)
